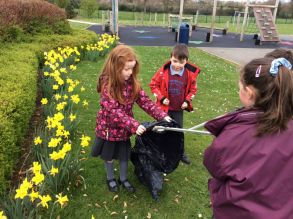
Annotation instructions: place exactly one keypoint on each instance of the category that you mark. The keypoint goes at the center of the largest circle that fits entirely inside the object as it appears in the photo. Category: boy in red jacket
(174, 86)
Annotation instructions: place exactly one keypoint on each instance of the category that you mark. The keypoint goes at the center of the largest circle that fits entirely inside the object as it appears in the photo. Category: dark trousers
(178, 117)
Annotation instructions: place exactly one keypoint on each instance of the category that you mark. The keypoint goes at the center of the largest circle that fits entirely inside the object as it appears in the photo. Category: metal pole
(213, 20)
(180, 17)
(162, 129)
(114, 17)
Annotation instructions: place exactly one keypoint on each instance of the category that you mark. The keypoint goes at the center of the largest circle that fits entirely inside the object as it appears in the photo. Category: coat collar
(240, 116)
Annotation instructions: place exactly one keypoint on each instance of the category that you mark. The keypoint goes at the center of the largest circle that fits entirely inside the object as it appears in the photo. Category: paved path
(239, 56)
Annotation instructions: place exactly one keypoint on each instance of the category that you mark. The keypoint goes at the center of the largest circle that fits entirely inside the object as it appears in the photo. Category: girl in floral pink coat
(120, 89)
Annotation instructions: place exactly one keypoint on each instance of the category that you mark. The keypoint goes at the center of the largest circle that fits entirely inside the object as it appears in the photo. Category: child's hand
(168, 118)
(140, 130)
(184, 105)
(166, 101)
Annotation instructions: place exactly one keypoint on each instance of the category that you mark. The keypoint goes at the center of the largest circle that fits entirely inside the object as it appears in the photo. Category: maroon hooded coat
(252, 176)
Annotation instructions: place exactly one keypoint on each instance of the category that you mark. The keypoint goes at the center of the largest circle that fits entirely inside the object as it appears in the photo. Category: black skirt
(109, 150)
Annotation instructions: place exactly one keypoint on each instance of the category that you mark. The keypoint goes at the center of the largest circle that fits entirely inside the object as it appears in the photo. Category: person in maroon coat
(251, 158)
(120, 89)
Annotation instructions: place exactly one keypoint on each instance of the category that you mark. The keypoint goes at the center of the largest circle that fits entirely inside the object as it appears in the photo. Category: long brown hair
(274, 95)
(281, 53)
(111, 75)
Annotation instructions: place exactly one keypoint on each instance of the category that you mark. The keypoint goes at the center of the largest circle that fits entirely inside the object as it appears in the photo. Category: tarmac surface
(226, 46)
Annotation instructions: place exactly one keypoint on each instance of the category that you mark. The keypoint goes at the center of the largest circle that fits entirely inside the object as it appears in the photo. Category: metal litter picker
(193, 129)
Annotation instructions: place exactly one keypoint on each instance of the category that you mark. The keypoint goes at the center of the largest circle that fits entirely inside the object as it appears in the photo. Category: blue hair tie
(276, 63)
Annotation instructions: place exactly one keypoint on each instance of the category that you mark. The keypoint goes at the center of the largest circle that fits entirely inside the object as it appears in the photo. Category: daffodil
(72, 117)
(72, 67)
(85, 103)
(75, 98)
(85, 141)
(66, 147)
(33, 195)
(38, 178)
(57, 97)
(62, 200)
(36, 167)
(38, 140)
(2, 215)
(54, 171)
(82, 89)
(44, 101)
(44, 200)
(55, 87)
(54, 142)
(21, 192)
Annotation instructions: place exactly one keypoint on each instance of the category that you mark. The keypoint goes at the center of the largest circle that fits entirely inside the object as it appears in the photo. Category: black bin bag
(155, 153)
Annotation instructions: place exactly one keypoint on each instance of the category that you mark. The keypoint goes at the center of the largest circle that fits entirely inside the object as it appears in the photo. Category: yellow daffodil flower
(72, 117)
(44, 101)
(44, 200)
(38, 140)
(38, 178)
(62, 200)
(33, 195)
(54, 171)
(75, 98)
(2, 216)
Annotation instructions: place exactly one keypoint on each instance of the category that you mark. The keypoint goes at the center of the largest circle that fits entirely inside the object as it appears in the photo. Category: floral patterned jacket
(115, 121)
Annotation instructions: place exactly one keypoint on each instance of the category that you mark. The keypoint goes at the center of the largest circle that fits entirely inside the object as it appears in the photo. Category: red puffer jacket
(115, 121)
(159, 84)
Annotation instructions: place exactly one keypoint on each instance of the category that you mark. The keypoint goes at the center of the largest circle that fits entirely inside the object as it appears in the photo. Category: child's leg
(109, 166)
(111, 181)
(178, 117)
(123, 176)
(123, 169)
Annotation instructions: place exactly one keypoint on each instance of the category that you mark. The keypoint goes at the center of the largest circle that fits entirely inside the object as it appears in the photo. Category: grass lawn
(185, 193)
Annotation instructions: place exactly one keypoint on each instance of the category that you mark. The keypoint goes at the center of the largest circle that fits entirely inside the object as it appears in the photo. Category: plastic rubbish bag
(156, 153)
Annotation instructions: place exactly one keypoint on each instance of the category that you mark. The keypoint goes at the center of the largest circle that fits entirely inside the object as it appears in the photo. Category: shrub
(18, 66)
(35, 16)
(90, 6)
(70, 10)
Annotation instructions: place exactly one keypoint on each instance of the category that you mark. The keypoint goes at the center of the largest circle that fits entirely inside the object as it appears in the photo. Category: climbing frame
(265, 22)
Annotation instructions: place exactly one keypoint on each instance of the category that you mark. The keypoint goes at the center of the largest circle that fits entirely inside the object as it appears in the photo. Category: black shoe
(126, 184)
(185, 159)
(112, 188)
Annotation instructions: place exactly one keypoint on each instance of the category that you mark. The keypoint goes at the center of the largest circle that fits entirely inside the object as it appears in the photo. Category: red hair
(111, 75)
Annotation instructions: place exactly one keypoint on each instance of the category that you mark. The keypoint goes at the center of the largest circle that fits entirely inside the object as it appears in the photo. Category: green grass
(217, 93)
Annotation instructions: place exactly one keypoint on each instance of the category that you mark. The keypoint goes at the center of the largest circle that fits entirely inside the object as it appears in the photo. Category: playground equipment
(106, 17)
(174, 22)
(265, 21)
(114, 17)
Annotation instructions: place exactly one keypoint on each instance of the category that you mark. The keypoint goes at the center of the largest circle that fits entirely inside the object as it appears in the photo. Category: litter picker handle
(162, 129)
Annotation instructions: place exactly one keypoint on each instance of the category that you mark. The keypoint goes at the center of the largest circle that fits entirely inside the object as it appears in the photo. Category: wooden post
(244, 20)
(213, 20)
(156, 18)
(238, 23)
(276, 10)
(103, 21)
(196, 17)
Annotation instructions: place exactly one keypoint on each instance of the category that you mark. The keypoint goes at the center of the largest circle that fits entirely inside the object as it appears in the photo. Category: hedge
(19, 65)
